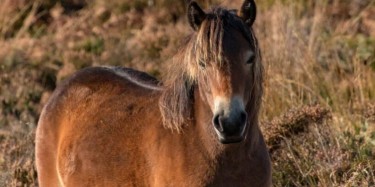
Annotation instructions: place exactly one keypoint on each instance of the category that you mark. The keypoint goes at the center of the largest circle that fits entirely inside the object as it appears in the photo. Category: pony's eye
(251, 59)
(202, 64)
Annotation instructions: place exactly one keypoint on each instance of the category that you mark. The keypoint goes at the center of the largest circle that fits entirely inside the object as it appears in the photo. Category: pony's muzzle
(230, 129)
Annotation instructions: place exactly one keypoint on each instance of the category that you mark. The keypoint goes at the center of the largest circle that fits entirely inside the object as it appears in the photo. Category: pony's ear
(248, 12)
(195, 15)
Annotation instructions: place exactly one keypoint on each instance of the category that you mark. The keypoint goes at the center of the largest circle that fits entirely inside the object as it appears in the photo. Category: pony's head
(222, 60)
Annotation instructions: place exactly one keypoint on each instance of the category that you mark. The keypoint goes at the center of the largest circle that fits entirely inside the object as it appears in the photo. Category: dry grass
(17, 163)
(319, 58)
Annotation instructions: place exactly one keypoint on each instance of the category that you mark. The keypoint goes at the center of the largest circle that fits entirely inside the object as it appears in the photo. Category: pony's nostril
(217, 123)
(243, 117)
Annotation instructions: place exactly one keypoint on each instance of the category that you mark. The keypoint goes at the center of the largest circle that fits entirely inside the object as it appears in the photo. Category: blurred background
(318, 112)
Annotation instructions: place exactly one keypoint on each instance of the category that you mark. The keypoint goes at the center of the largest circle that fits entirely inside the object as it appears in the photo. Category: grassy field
(318, 113)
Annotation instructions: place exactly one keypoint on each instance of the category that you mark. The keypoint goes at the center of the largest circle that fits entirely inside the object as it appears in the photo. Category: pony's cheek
(210, 100)
(206, 93)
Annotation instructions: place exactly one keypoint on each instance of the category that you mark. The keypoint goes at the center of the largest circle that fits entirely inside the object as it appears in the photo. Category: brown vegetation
(313, 52)
(292, 123)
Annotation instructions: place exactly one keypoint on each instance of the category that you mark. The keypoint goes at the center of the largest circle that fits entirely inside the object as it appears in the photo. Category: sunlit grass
(314, 52)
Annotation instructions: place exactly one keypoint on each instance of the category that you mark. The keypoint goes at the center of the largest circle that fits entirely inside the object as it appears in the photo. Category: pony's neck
(203, 122)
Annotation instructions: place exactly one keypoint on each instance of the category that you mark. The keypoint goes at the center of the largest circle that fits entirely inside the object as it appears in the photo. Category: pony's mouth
(229, 139)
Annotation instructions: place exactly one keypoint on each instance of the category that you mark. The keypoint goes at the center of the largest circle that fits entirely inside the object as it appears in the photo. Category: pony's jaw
(229, 120)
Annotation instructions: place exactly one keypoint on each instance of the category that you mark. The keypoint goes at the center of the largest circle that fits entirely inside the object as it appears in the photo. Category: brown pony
(120, 127)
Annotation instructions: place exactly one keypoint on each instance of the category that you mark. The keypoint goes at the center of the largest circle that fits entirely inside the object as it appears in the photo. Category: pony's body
(107, 147)
(111, 127)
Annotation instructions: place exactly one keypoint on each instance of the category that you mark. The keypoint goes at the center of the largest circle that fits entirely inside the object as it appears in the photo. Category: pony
(115, 126)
